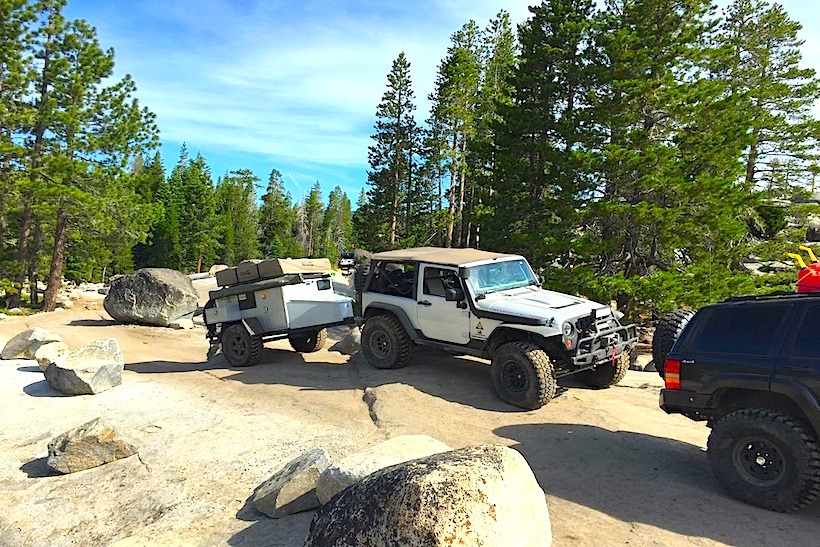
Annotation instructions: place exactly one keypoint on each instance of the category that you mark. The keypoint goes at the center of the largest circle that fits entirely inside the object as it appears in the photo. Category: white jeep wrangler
(492, 306)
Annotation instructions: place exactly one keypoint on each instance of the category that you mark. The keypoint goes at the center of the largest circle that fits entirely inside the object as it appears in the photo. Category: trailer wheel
(239, 347)
(308, 342)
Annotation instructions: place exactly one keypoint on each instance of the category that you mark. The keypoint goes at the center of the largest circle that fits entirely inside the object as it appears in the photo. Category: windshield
(499, 276)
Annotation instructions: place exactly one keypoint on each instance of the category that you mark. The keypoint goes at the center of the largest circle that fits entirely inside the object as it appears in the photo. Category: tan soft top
(439, 255)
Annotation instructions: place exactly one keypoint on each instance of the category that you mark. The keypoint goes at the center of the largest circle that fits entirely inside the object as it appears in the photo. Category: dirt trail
(616, 469)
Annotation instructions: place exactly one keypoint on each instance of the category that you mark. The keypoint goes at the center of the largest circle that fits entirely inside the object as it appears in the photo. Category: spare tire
(360, 276)
(667, 332)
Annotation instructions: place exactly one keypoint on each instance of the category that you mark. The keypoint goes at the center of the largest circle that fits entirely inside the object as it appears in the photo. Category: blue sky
(292, 85)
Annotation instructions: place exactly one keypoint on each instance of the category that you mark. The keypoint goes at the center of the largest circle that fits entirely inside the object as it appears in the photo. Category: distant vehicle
(276, 299)
(750, 368)
(492, 306)
(347, 261)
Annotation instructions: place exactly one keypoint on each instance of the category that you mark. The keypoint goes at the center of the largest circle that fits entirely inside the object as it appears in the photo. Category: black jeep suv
(750, 367)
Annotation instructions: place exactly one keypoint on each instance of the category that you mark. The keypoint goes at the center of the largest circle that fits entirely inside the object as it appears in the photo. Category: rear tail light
(671, 373)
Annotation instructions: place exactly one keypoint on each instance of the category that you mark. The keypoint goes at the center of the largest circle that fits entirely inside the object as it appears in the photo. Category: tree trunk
(32, 265)
(451, 195)
(199, 262)
(22, 251)
(751, 161)
(394, 210)
(55, 274)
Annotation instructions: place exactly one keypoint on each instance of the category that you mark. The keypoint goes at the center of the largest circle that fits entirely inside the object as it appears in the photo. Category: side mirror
(541, 279)
(453, 295)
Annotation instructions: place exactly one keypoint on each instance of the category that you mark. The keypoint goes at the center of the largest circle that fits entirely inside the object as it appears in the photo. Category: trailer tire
(308, 342)
(239, 347)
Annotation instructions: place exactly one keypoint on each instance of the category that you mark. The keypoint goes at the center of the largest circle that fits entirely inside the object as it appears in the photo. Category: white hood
(536, 302)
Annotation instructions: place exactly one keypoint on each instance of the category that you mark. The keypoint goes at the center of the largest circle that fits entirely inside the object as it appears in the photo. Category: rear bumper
(674, 401)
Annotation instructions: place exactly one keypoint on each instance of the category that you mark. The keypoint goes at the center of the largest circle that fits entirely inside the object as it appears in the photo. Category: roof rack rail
(774, 295)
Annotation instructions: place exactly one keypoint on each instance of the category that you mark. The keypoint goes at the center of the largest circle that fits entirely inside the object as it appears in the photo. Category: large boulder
(153, 296)
(49, 353)
(483, 496)
(25, 344)
(354, 468)
(90, 445)
(292, 489)
(89, 370)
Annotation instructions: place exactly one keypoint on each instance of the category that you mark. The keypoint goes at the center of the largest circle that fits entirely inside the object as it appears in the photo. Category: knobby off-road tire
(360, 276)
(308, 342)
(523, 375)
(766, 458)
(239, 347)
(667, 332)
(385, 343)
(606, 374)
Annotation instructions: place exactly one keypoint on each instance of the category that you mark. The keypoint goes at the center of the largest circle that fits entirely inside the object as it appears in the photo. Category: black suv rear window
(807, 345)
(739, 330)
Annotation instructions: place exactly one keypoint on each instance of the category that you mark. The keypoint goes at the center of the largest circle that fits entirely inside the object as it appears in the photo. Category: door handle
(424, 303)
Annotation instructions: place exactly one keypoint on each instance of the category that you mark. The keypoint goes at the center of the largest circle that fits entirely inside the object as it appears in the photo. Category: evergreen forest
(642, 151)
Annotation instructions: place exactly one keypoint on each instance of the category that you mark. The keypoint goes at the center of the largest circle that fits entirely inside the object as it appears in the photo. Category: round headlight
(568, 329)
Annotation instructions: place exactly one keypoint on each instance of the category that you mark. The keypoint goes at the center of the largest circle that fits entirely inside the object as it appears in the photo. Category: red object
(808, 279)
(671, 373)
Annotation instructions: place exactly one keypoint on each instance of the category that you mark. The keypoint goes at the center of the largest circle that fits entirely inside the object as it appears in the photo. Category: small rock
(89, 370)
(90, 445)
(63, 301)
(292, 489)
(354, 468)
(350, 344)
(102, 290)
(650, 367)
(26, 343)
(484, 495)
(186, 323)
(15, 310)
(49, 353)
(3, 316)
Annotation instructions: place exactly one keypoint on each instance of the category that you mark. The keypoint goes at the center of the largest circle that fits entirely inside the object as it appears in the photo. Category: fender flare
(378, 308)
(795, 391)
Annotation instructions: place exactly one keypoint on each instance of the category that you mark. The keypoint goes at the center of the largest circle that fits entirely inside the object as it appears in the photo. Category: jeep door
(437, 318)
(800, 360)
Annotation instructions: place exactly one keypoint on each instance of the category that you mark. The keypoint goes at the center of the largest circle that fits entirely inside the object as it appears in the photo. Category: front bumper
(604, 345)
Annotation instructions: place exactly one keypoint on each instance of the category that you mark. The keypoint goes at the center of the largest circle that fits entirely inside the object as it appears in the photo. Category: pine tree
(453, 122)
(236, 217)
(763, 70)
(196, 215)
(337, 224)
(392, 158)
(499, 58)
(276, 221)
(667, 201)
(312, 222)
(94, 134)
